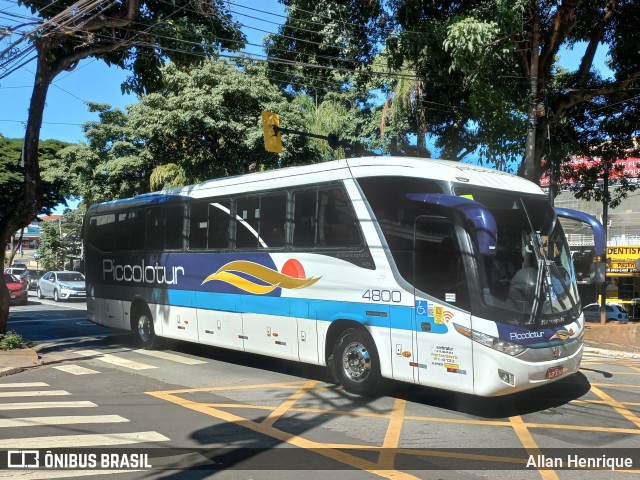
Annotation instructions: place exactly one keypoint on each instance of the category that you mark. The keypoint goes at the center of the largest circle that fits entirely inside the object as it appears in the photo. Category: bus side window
(198, 225)
(336, 221)
(218, 220)
(273, 211)
(304, 219)
(173, 233)
(247, 222)
(154, 229)
(102, 232)
(438, 261)
(130, 230)
(164, 227)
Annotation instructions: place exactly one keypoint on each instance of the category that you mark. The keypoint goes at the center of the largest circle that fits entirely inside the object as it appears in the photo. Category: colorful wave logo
(562, 335)
(245, 275)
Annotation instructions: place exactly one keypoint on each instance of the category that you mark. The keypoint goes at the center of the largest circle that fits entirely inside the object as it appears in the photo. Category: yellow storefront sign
(621, 260)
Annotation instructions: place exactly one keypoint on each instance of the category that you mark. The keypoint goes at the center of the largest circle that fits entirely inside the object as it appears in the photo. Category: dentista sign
(623, 260)
(140, 273)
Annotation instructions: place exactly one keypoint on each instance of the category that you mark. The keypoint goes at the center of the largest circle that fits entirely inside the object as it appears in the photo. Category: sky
(94, 81)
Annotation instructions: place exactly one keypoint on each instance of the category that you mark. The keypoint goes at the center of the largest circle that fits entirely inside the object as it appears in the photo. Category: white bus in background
(431, 272)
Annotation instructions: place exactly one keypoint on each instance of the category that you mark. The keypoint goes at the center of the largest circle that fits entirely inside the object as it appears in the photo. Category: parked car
(33, 275)
(17, 271)
(18, 289)
(615, 313)
(61, 285)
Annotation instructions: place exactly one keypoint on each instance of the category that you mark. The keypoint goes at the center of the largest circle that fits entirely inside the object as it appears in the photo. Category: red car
(18, 288)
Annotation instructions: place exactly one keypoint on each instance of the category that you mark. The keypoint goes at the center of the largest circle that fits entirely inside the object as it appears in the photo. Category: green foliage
(140, 36)
(51, 255)
(166, 176)
(10, 341)
(338, 35)
(461, 72)
(56, 181)
(203, 123)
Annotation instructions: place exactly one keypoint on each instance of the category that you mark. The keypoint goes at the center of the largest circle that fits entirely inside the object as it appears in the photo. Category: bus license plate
(554, 372)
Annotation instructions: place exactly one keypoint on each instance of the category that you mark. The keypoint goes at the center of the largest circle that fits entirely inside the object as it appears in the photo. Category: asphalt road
(200, 412)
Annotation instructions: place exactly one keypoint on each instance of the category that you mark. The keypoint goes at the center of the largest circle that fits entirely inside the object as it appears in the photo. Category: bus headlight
(504, 346)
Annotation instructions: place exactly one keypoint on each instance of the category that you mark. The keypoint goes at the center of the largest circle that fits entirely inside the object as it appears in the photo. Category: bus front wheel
(144, 331)
(356, 363)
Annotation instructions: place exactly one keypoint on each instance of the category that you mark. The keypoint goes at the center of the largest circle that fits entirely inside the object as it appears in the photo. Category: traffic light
(272, 138)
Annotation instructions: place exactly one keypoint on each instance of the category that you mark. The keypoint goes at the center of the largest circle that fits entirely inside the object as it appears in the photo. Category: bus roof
(443, 170)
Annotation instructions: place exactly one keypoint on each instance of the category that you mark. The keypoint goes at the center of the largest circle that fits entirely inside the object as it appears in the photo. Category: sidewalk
(14, 361)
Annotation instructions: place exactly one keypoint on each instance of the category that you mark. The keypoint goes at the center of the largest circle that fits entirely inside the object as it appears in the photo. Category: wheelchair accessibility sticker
(430, 318)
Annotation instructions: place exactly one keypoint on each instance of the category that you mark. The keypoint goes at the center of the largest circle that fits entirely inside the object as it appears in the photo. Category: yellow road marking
(297, 384)
(622, 385)
(494, 423)
(319, 448)
(288, 403)
(387, 456)
(633, 367)
(530, 444)
(621, 409)
(396, 417)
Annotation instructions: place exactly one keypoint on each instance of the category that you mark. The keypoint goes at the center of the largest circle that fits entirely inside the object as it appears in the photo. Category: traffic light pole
(332, 138)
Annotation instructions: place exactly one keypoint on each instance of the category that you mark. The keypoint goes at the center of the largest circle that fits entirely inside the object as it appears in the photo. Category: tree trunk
(528, 167)
(25, 211)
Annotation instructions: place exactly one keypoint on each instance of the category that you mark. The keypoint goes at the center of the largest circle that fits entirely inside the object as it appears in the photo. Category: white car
(61, 285)
(615, 313)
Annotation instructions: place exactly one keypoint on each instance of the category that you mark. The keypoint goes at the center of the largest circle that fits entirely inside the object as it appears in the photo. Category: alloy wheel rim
(356, 362)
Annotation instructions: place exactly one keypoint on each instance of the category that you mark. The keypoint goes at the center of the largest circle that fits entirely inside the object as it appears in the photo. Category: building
(623, 241)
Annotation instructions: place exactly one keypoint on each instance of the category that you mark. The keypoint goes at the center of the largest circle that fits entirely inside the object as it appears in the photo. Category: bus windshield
(530, 278)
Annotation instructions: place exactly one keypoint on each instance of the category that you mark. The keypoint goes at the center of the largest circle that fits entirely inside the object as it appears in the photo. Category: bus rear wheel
(144, 332)
(356, 363)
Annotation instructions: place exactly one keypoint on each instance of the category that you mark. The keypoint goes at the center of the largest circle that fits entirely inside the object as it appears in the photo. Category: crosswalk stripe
(24, 385)
(60, 420)
(88, 440)
(114, 360)
(76, 370)
(34, 393)
(170, 356)
(29, 405)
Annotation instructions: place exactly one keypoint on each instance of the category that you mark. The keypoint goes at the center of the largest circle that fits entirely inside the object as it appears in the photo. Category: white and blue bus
(431, 272)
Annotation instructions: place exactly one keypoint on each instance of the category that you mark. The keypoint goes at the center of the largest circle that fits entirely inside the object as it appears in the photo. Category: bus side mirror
(481, 218)
(597, 228)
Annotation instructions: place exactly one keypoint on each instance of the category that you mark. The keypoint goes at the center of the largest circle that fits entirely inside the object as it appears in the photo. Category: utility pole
(605, 221)
(532, 122)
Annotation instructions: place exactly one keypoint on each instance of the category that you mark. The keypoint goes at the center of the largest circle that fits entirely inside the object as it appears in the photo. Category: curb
(15, 361)
(612, 353)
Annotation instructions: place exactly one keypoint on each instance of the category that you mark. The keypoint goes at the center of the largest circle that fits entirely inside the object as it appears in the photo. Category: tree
(339, 36)
(139, 35)
(488, 73)
(70, 229)
(56, 181)
(204, 122)
(507, 53)
(50, 253)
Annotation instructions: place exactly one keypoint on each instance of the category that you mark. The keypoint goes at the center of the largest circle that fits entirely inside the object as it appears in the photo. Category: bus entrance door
(441, 298)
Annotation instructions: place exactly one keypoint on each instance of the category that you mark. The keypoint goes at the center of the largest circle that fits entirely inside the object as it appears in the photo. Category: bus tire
(144, 332)
(357, 364)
